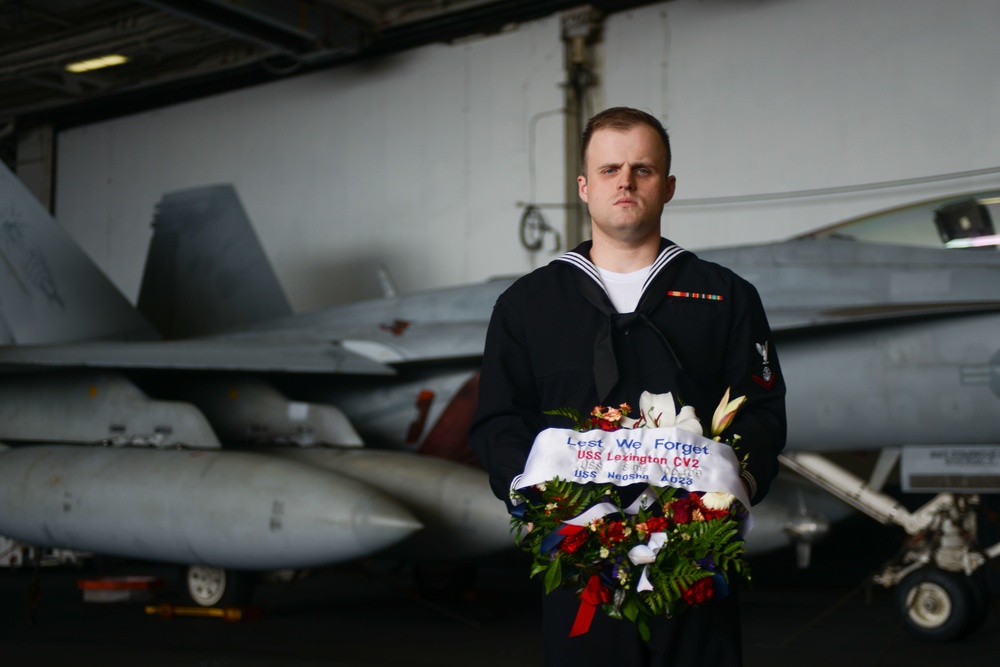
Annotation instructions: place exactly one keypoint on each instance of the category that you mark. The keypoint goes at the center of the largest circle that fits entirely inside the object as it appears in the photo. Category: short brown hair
(621, 119)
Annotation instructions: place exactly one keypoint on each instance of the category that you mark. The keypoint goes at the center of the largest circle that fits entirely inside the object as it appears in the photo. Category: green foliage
(553, 575)
(704, 543)
(580, 423)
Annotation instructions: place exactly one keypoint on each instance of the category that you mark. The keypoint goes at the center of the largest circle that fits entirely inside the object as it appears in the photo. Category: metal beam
(580, 30)
(241, 24)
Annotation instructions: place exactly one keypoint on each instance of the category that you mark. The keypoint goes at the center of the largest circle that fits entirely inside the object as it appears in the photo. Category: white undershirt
(624, 289)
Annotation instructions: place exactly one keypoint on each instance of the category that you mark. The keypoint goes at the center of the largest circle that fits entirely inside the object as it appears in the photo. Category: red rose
(683, 507)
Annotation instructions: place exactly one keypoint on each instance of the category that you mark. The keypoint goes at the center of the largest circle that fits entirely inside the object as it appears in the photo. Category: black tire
(936, 605)
(205, 586)
(981, 603)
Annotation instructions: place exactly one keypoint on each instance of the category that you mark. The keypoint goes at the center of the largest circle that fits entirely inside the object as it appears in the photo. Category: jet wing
(788, 320)
(819, 283)
(205, 355)
(395, 341)
(364, 350)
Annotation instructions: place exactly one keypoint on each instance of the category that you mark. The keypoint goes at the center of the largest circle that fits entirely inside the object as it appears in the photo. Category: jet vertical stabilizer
(50, 291)
(206, 271)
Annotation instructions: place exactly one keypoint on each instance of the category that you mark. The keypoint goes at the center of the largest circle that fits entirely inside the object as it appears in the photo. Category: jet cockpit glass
(962, 221)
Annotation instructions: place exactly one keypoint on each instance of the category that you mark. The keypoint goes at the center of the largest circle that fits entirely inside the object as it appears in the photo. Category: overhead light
(975, 241)
(96, 63)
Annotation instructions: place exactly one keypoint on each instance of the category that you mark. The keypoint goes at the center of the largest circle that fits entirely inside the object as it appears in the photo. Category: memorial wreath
(673, 547)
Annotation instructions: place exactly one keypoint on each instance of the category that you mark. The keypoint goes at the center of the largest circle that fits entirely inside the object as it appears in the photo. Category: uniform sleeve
(508, 416)
(753, 371)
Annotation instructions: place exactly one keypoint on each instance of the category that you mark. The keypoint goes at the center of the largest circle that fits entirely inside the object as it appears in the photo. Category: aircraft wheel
(217, 587)
(981, 605)
(936, 605)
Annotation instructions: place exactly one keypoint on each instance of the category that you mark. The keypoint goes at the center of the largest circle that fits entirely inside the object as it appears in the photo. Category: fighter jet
(155, 481)
(886, 343)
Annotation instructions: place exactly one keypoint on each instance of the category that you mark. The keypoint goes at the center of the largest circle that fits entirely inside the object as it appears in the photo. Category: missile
(226, 509)
(461, 516)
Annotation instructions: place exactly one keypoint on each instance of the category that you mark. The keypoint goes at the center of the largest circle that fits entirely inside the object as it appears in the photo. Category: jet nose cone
(380, 522)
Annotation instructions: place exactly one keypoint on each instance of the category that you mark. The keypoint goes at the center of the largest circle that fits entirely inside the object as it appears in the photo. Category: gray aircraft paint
(49, 290)
(206, 271)
(226, 509)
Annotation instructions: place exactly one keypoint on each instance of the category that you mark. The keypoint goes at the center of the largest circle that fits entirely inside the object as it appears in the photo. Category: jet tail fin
(50, 291)
(206, 271)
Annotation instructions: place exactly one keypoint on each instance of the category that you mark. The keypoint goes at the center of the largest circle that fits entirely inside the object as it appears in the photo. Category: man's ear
(671, 187)
(581, 183)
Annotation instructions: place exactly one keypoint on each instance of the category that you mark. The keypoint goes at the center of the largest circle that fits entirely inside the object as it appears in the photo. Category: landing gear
(940, 588)
(206, 586)
(936, 604)
(940, 585)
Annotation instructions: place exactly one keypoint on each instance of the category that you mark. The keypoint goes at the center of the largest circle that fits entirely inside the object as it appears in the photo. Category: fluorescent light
(96, 63)
(974, 242)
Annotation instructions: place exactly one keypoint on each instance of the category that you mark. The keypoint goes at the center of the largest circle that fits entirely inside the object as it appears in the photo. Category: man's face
(626, 184)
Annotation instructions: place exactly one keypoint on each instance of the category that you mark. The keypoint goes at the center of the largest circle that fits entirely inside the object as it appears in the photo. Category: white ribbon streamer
(592, 514)
(603, 509)
(643, 554)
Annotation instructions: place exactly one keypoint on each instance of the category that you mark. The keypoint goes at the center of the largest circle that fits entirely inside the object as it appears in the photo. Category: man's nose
(626, 181)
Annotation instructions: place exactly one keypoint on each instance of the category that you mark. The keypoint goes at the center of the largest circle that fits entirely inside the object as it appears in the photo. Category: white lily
(658, 410)
(725, 413)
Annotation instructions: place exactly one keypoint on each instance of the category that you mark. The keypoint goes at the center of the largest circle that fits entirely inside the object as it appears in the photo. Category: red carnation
(711, 515)
(700, 591)
(602, 424)
(656, 524)
(613, 532)
(573, 542)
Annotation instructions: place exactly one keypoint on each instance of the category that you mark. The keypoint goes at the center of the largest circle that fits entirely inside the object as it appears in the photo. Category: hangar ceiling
(181, 49)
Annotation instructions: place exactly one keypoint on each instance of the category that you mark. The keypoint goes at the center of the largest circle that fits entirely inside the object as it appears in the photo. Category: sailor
(627, 312)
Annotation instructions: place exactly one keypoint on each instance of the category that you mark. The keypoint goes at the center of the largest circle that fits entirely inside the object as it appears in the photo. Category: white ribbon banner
(654, 456)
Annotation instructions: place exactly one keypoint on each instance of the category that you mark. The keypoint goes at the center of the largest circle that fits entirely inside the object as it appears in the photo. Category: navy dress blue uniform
(555, 341)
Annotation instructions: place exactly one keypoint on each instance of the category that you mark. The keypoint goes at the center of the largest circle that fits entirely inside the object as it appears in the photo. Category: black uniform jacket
(555, 341)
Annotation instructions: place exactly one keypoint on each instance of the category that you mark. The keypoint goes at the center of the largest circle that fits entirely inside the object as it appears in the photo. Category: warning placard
(957, 468)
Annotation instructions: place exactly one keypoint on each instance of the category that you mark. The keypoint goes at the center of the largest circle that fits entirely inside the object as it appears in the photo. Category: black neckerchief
(588, 281)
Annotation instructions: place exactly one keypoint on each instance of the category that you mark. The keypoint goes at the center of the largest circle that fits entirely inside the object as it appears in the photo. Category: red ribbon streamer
(594, 594)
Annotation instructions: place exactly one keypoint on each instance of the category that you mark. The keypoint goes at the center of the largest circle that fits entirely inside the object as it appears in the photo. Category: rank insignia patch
(766, 377)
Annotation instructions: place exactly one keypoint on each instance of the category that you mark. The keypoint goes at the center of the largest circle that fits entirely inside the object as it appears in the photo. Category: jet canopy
(957, 221)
